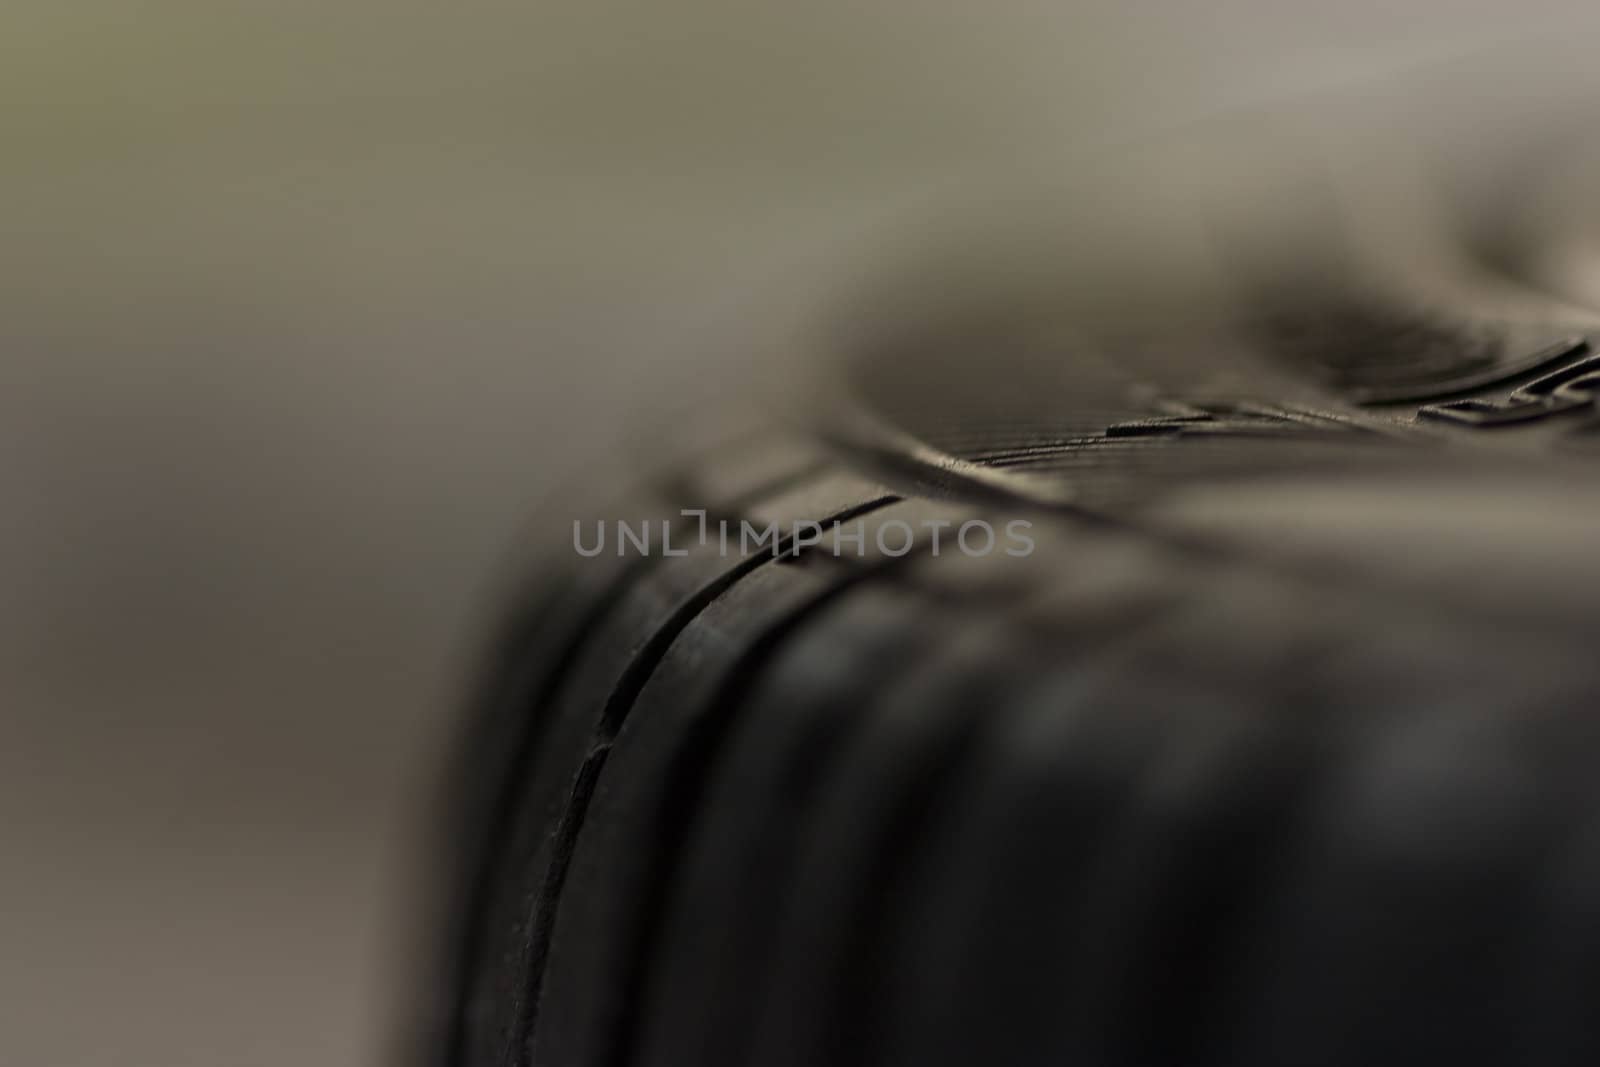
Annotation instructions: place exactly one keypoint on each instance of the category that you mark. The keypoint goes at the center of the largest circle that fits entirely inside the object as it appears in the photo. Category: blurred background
(304, 306)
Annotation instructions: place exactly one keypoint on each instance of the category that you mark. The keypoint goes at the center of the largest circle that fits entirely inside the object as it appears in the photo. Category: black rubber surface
(1279, 746)
(1138, 798)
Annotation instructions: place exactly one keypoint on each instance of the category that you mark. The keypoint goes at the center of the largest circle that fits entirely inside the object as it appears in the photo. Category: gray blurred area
(304, 310)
